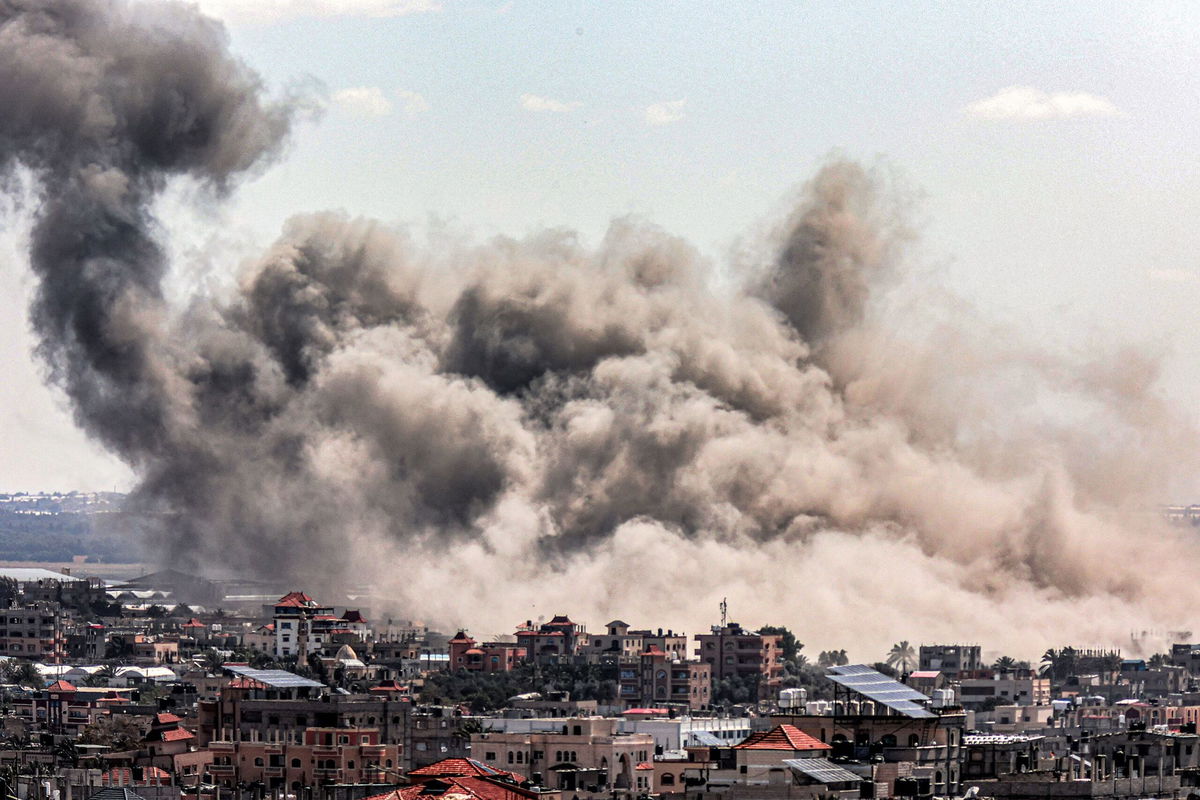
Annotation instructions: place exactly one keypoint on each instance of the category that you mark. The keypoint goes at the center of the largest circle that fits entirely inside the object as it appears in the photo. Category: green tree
(902, 656)
(118, 731)
(23, 673)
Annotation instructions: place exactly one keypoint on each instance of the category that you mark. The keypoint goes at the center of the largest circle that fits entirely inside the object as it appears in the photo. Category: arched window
(914, 740)
(295, 763)
(258, 762)
(510, 756)
(888, 740)
(668, 779)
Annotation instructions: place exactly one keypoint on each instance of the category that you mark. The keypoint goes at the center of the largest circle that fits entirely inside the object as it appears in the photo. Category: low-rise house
(466, 653)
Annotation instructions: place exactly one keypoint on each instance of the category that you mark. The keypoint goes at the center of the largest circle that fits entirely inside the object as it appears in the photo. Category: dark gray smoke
(475, 429)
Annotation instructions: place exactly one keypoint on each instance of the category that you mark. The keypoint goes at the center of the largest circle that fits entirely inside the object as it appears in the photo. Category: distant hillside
(58, 527)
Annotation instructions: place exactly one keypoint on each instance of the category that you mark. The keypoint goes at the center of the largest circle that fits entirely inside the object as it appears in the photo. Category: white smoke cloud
(412, 102)
(1029, 103)
(537, 103)
(665, 113)
(366, 101)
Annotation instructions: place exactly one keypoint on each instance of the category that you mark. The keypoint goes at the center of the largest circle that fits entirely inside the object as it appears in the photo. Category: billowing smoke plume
(490, 432)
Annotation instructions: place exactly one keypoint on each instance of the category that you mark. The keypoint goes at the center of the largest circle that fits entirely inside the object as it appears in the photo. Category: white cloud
(367, 101)
(533, 102)
(1028, 103)
(412, 102)
(268, 11)
(665, 113)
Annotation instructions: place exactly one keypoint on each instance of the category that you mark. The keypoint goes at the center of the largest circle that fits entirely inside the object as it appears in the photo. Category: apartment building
(33, 631)
(323, 756)
(1005, 688)
(620, 643)
(657, 678)
(732, 651)
(559, 639)
(250, 710)
(952, 660)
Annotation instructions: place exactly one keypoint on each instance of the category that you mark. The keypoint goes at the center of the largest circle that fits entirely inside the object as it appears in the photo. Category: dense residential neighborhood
(168, 685)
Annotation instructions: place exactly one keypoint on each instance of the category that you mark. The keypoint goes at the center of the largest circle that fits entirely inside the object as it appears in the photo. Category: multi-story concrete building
(658, 678)
(932, 744)
(323, 756)
(33, 631)
(295, 616)
(250, 709)
(580, 754)
(620, 643)
(1005, 689)
(952, 660)
(732, 651)
(559, 639)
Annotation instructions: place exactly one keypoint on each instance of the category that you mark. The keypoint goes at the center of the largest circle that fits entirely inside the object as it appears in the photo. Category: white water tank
(943, 698)
(792, 699)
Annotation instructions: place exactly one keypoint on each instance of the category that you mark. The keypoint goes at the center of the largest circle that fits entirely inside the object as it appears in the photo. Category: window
(258, 762)
(488, 756)
(296, 763)
(349, 765)
(577, 730)
(510, 756)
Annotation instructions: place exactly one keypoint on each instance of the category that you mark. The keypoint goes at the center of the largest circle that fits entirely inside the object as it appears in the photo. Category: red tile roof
(166, 718)
(60, 686)
(295, 600)
(644, 765)
(782, 737)
(354, 615)
(194, 623)
(390, 686)
(462, 767)
(468, 788)
(177, 735)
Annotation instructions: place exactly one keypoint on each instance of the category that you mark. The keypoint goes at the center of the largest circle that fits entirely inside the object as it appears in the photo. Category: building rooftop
(781, 737)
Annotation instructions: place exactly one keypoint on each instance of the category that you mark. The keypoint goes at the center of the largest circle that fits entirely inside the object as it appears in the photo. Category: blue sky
(1066, 206)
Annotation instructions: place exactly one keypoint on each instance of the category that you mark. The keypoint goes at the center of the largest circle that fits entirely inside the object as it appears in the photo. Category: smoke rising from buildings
(488, 432)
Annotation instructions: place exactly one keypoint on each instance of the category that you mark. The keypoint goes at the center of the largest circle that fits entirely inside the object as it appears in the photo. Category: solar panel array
(876, 686)
(823, 770)
(705, 739)
(276, 678)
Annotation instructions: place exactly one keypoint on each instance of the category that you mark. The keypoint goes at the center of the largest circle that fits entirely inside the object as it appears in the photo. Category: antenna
(724, 610)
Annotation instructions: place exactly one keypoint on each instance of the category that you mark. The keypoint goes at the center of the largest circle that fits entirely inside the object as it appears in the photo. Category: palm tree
(212, 661)
(1005, 664)
(902, 656)
(1159, 660)
(23, 673)
(1049, 661)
